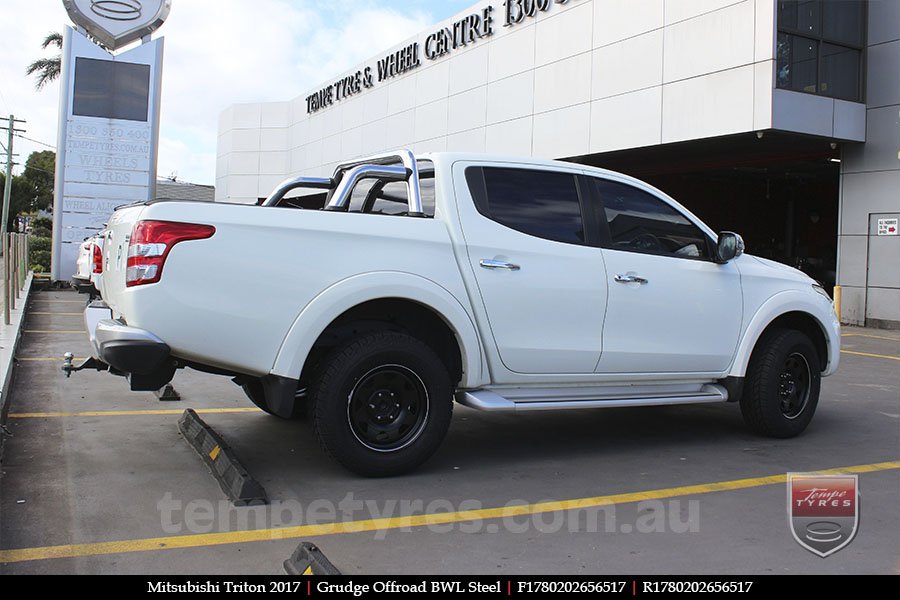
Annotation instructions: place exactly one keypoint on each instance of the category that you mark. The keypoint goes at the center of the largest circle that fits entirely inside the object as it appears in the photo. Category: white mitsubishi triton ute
(377, 296)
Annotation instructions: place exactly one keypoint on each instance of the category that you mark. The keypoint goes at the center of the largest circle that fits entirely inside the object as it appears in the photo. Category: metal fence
(16, 265)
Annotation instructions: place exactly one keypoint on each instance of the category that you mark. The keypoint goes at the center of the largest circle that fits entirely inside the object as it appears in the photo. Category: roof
(166, 189)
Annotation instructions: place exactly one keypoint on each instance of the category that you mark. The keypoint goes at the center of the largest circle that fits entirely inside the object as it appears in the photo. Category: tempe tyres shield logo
(117, 23)
(823, 511)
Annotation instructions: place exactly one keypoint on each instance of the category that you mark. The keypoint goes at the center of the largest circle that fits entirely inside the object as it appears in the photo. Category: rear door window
(544, 204)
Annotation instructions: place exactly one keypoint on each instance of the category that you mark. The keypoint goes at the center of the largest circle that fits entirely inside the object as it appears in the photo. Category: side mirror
(730, 246)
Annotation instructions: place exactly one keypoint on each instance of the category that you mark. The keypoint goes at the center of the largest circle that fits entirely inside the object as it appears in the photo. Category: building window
(820, 46)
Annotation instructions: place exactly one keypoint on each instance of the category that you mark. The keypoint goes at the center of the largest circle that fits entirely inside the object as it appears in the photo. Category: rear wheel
(782, 386)
(382, 404)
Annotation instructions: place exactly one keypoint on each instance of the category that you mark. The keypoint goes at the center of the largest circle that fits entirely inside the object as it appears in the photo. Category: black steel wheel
(794, 385)
(387, 408)
(781, 390)
(382, 404)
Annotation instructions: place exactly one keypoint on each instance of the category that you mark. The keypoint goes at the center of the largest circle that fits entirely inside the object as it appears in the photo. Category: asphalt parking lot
(96, 479)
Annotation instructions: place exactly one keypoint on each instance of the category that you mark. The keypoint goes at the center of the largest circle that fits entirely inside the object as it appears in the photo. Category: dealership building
(778, 120)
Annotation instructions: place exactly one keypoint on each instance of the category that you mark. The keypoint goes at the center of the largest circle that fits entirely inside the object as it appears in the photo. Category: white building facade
(690, 95)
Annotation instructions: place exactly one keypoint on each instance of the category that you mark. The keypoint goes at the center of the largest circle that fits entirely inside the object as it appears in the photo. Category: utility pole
(7, 190)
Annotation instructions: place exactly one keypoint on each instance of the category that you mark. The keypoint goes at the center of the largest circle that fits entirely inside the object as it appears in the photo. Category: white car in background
(89, 266)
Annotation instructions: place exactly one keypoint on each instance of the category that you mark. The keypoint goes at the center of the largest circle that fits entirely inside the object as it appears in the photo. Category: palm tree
(47, 69)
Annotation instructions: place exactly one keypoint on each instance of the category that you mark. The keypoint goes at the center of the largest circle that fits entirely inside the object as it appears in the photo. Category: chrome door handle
(490, 263)
(630, 279)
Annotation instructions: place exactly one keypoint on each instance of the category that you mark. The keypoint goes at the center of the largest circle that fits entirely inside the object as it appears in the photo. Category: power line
(27, 166)
(53, 146)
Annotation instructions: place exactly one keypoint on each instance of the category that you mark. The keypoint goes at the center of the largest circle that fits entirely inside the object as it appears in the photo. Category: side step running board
(493, 402)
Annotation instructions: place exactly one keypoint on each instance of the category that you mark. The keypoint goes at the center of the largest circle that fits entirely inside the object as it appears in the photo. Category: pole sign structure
(108, 118)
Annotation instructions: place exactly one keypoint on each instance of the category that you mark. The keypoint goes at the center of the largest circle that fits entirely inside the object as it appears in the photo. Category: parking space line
(874, 337)
(887, 356)
(42, 358)
(54, 331)
(128, 413)
(342, 527)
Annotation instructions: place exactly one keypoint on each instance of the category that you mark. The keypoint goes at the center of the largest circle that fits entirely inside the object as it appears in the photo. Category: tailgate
(115, 253)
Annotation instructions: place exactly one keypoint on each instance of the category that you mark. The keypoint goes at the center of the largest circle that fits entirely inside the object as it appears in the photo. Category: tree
(33, 189)
(20, 198)
(40, 174)
(47, 69)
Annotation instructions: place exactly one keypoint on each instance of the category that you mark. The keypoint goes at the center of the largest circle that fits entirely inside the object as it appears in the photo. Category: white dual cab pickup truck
(89, 265)
(380, 294)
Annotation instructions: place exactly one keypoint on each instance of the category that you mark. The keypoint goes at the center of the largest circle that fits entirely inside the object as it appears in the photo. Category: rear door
(542, 283)
(672, 309)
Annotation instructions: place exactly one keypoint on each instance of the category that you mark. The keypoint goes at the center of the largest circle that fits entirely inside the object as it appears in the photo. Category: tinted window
(641, 222)
(797, 63)
(819, 47)
(111, 90)
(392, 199)
(376, 196)
(843, 21)
(540, 203)
(802, 16)
(840, 71)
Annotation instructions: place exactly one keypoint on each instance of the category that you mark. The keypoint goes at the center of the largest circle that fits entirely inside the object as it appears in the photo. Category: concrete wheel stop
(307, 559)
(240, 487)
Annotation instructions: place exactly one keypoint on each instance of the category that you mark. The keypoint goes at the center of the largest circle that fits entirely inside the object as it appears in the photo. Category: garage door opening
(780, 192)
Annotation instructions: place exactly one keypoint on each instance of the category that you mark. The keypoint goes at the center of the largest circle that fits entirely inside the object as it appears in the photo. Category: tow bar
(167, 393)
(90, 363)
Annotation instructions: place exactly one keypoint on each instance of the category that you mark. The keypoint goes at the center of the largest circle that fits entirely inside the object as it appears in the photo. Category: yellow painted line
(214, 453)
(54, 331)
(42, 358)
(874, 337)
(65, 314)
(887, 356)
(128, 413)
(260, 535)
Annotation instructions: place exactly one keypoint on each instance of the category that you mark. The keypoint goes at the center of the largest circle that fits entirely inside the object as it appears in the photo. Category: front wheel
(782, 386)
(382, 404)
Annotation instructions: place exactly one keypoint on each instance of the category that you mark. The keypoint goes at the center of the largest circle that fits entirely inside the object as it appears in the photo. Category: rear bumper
(127, 349)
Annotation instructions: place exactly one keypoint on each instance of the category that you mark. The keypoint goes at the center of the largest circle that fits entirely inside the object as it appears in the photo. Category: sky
(218, 52)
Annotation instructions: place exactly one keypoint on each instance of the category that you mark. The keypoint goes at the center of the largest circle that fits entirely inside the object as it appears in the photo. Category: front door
(672, 309)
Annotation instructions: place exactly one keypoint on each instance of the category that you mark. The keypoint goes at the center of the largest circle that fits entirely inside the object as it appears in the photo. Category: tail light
(98, 259)
(150, 244)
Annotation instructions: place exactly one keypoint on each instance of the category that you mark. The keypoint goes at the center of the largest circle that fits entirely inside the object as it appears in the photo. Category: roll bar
(340, 200)
(348, 174)
(318, 183)
(403, 156)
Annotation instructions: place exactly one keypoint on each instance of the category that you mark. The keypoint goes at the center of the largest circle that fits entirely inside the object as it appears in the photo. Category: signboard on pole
(117, 23)
(109, 121)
